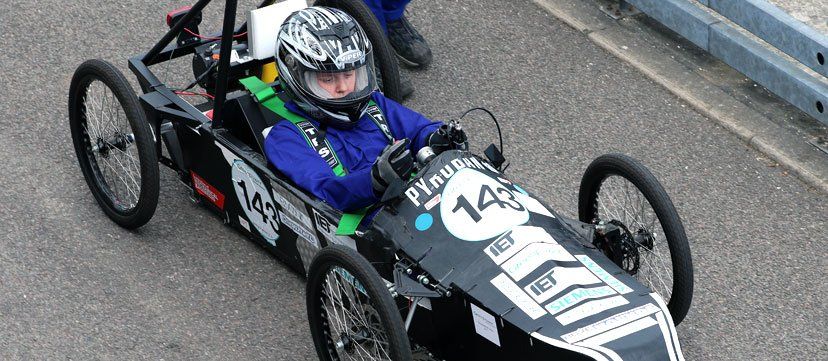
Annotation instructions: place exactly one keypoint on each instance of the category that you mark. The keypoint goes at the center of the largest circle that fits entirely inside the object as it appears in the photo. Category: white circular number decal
(475, 207)
(256, 201)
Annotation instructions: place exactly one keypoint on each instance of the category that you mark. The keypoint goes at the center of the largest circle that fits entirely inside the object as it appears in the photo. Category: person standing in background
(407, 42)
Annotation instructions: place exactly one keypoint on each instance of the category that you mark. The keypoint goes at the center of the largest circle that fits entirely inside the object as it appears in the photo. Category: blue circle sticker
(423, 222)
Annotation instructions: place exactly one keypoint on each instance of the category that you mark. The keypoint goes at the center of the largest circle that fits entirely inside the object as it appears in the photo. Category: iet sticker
(328, 230)
(557, 280)
(515, 240)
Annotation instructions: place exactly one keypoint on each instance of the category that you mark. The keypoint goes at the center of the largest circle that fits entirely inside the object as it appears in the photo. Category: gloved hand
(395, 162)
(448, 136)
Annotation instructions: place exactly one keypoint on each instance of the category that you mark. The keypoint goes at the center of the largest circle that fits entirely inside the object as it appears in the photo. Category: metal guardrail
(778, 28)
(773, 71)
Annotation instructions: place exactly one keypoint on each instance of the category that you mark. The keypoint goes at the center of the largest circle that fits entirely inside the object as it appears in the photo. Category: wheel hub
(644, 238)
(349, 340)
(118, 141)
(620, 246)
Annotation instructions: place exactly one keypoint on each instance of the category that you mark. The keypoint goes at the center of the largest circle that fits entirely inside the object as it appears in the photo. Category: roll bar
(162, 51)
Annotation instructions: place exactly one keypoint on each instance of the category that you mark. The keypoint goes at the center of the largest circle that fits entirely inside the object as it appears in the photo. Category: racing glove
(448, 136)
(395, 162)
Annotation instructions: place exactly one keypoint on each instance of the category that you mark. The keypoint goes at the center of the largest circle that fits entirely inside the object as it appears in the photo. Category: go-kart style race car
(457, 263)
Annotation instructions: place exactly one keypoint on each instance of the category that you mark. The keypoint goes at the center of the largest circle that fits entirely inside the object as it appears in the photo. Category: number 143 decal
(494, 198)
(256, 201)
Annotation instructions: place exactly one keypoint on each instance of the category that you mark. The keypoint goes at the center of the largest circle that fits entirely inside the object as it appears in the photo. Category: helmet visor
(341, 86)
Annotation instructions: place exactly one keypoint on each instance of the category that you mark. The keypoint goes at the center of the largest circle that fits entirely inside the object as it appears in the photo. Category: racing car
(458, 262)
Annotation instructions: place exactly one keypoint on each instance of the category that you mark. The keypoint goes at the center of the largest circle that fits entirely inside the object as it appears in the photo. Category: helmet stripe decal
(318, 39)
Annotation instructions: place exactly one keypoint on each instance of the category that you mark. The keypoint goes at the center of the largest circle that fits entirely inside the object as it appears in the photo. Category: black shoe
(406, 88)
(409, 45)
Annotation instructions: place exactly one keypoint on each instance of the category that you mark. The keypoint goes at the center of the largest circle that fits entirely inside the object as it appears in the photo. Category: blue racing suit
(357, 149)
(387, 10)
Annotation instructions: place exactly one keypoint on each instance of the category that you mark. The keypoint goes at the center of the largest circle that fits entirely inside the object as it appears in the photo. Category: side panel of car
(223, 180)
(457, 328)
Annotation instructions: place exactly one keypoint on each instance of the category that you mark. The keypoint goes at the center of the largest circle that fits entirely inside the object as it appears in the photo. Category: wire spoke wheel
(619, 199)
(111, 146)
(113, 143)
(350, 311)
(355, 329)
(617, 189)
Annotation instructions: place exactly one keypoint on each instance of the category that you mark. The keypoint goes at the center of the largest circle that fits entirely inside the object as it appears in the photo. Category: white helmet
(326, 65)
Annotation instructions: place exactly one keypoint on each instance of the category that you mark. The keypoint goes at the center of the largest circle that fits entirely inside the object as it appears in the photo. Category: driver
(344, 142)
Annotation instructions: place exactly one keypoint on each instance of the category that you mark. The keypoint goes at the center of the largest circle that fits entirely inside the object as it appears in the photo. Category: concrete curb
(753, 128)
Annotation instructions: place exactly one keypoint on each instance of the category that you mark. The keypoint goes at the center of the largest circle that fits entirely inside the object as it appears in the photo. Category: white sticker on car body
(433, 202)
(255, 200)
(557, 280)
(475, 207)
(665, 333)
(328, 230)
(576, 296)
(515, 240)
(427, 187)
(533, 205)
(610, 323)
(513, 292)
(590, 308)
(304, 233)
(244, 223)
(597, 356)
(532, 256)
(619, 332)
(291, 205)
(668, 320)
(485, 325)
(229, 156)
(604, 275)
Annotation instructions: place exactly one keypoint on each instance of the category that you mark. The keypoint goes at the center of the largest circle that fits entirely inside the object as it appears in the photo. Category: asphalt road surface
(73, 285)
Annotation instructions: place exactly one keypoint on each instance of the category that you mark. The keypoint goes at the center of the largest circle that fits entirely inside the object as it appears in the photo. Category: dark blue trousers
(387, 10)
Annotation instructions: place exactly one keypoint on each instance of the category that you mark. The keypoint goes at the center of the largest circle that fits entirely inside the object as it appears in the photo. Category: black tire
(376, 306)
(95, 152)
(597, 175)
(385, 61)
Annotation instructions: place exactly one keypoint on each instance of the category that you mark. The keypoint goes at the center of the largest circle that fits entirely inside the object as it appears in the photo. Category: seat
(246, 119)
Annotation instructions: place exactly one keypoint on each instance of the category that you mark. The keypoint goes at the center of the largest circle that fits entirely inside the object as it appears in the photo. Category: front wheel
(617, 189)
(114, 143)
(351, 313)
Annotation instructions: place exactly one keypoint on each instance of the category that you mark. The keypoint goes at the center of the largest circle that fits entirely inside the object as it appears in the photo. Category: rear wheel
(351, 313)
(385, 62)
(617, 189)
(114, 143)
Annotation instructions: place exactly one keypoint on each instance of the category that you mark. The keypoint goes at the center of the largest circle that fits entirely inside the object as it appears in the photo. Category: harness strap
(265, 95)
(375, 113)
